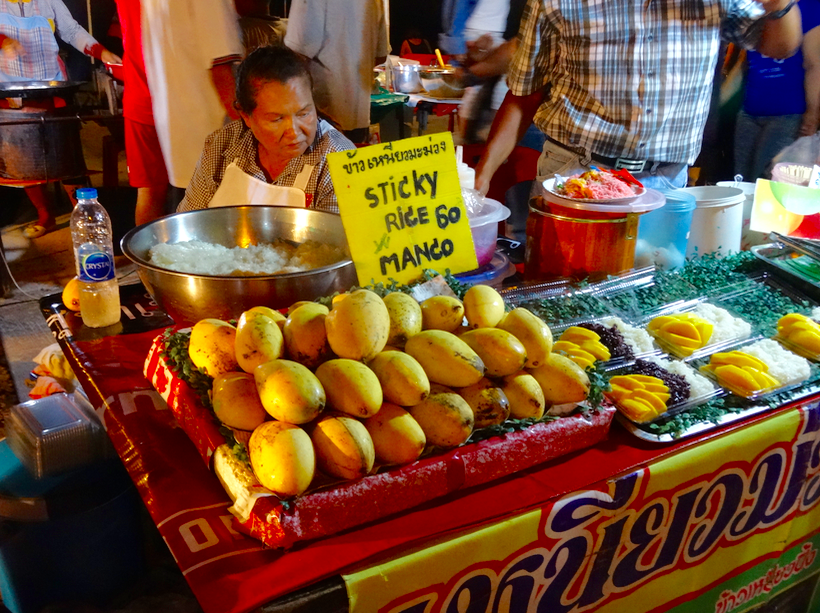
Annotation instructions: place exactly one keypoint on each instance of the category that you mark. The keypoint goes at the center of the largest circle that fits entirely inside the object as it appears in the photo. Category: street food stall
(671, 462)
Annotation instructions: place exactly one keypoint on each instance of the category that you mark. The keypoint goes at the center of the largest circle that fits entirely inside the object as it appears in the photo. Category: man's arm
(780, 36)
(222, 76)
(811, 64)
(511, 122)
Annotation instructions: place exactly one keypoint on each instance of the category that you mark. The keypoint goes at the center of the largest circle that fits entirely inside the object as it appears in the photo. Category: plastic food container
(663, 234)
(579, 239)
(493, 273)
(796, 174)
(53, 434)
(717, 221)
(484, 227)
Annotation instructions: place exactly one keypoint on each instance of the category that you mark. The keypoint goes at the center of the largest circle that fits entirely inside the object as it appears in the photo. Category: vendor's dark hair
(264, 65)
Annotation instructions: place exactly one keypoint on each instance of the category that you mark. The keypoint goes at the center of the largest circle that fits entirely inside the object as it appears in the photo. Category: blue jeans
(759, 139)
(555, 159)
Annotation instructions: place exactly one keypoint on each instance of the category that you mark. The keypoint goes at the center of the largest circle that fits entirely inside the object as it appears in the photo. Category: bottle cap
(85, 193)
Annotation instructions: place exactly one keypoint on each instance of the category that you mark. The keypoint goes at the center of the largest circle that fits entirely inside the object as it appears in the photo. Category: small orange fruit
(71, 295)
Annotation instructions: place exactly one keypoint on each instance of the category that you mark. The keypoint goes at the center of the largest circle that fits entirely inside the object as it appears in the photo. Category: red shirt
(136, 103)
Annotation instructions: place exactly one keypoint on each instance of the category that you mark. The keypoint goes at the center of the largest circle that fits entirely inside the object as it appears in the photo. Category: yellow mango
(628, 382)
(738, 358)
(656, 388)
(350, 387)
(685, 329)
(658, 405)
(501, 352)
(445, 417)
(306, 336)
(645, 379)
(705, 330)
(296, 305)
(597, 349)
(658, 322)
(236, 402)
(578, 335)
(289, 391)
(343, 446)
(736, 378)
(405, 317)
(445, 358)
(805, 339)
(397, 436)
(442, 313)
(402, 378)
(488, 402)
(358, 327)
(637, 410)
(533, 333)
(524, 395)
(282, 458)
(212, 347)
(268, 312)
(561, 380)
(763, 379)
(483, 307)
(258, 340)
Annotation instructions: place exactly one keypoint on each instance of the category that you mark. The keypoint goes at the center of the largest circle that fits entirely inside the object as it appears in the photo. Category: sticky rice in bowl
(187, 261)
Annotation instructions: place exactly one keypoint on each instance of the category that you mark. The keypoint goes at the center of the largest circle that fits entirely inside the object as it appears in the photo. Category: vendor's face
(284, 120)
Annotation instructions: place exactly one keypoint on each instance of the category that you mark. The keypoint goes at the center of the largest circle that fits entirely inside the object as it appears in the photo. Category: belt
(616, 163)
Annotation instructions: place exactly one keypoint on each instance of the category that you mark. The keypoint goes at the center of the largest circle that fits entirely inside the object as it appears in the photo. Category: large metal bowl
(441, 82)
(187, 298)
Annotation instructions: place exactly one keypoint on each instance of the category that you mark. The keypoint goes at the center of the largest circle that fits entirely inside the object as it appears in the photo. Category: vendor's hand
(110, 58)
(482, 182)
(11, 48)
(479, 49)
(809, 125)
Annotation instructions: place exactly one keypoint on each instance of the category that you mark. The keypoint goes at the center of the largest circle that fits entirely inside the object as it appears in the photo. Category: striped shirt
(236, 143)
(629, 78)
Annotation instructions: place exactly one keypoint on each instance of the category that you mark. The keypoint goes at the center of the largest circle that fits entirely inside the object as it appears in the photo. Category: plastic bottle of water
(94, 254)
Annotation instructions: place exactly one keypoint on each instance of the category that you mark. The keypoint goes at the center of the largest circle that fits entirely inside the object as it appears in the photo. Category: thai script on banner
(597, 546)
(730, 600)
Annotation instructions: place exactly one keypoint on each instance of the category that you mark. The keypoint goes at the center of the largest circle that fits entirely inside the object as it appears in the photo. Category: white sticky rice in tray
(197, 257)
(725, 327)
(785, 366)
(815, 313)
(699, 386)
(637, 338)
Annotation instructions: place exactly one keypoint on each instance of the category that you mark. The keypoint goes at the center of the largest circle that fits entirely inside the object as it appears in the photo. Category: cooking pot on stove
(39, 89)
(40, 144)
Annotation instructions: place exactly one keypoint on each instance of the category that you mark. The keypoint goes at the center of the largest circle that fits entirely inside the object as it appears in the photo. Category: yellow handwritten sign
(402, 210)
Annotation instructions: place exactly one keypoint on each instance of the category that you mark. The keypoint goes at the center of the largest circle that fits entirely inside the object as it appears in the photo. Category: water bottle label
(96, 266)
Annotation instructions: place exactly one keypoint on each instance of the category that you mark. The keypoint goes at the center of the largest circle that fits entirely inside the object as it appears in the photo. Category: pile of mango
(374, 380)
(641, 397)
(800, 332)
(741, 373)
(684, 332)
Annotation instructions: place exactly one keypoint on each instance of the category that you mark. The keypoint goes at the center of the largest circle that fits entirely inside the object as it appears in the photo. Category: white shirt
(489, 16)
(343, 39)
(180, 41)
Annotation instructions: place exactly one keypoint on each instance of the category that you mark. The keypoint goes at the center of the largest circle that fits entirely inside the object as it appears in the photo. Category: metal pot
(38, 144)
(406, 78)
(191, 297)
(441, 82)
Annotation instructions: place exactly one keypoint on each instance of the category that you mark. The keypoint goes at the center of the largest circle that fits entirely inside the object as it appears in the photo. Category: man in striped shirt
(626, 83)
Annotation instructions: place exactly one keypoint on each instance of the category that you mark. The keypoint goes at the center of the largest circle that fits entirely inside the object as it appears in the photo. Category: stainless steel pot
(441, 82)
(406, 78)
(187, 298)
(37, 144)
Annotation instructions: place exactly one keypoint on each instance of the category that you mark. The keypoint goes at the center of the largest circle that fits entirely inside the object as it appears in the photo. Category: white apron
(238, 187)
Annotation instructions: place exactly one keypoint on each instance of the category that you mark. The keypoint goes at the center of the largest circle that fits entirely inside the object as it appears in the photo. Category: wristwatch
(782, 12)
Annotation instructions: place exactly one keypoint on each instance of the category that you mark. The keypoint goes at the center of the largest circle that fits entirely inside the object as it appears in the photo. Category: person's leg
(747, 133)
(146, 171)
(41, 199)
(776, 134)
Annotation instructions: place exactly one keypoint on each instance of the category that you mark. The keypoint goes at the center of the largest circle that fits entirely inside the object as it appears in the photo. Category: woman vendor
(29, 52)
(277, 153)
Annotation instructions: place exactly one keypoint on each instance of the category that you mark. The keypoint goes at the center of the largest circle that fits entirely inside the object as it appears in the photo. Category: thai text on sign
(402, 209)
